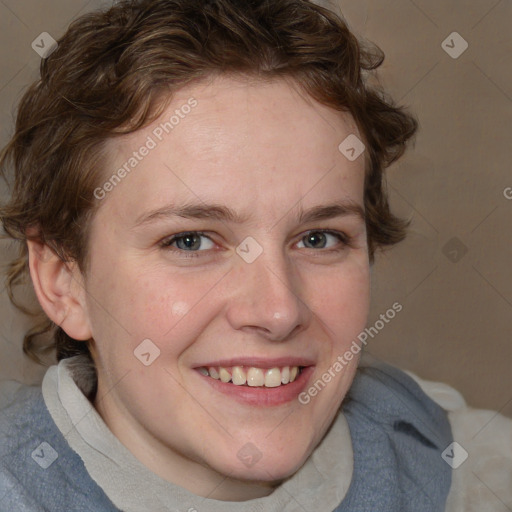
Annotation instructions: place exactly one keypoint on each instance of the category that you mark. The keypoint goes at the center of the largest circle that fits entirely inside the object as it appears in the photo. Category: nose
(266, 299)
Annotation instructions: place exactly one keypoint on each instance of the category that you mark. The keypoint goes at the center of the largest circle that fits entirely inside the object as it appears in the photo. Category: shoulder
(398, 436)
(20, 411)
(395, 401)
(481, 456)
(38, 469)
(20, 416)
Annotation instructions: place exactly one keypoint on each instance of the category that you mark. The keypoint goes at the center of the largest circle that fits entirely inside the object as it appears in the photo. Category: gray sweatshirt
(382, 453)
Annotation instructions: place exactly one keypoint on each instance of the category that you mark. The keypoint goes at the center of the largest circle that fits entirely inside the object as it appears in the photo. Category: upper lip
(260, 362)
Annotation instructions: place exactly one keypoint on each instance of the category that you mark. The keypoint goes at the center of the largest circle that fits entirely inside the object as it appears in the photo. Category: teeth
(254, 377)
(273, 378)
(238, 376)
(224, 375)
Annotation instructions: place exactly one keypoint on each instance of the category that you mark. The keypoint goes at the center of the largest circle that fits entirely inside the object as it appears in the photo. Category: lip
(259, 362)
(261, 396)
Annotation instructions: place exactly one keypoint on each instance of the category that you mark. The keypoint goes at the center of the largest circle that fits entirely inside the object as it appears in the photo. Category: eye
(322, 239)
(193, 241)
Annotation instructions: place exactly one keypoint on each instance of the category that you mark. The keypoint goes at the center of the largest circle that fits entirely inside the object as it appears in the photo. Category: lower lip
(262, 396)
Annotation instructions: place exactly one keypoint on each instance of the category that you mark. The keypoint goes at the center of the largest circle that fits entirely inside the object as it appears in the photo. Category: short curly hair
(110, 75)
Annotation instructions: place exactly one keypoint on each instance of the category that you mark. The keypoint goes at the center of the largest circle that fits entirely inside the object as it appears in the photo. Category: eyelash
(345, 240)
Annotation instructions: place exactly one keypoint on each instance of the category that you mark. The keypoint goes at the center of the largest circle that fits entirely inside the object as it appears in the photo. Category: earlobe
(59, 289)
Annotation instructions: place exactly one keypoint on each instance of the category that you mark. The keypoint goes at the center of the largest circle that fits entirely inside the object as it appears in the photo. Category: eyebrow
(225, 214)
(331, 211)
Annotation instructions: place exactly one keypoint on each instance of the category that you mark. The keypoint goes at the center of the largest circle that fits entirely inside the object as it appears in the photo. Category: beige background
(456, 320)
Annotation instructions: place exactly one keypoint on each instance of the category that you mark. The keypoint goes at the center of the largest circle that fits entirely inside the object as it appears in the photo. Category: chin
(253, 466)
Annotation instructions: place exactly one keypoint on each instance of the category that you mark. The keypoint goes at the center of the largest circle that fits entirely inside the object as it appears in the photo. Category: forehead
(237, 141)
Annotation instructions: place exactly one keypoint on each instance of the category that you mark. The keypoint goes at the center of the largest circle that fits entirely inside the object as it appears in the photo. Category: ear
(60, 290)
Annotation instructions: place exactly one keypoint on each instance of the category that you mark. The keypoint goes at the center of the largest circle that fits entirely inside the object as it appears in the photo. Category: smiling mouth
(253, 376)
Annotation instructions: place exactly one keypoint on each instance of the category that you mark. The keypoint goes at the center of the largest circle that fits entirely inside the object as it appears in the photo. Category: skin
(265, 151)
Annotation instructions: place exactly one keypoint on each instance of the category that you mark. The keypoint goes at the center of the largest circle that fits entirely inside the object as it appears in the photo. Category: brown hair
(108, 75)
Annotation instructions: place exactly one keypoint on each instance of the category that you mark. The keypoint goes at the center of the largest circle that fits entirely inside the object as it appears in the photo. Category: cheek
(341, 300)
(169, 303)
(180, 308)
(128, 304)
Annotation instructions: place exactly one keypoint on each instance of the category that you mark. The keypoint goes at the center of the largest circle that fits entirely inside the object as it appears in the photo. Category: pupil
(189, 242)
(316, 238)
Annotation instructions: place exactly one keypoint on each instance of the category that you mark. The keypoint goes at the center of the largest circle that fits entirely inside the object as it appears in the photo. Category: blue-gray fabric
(398, 435)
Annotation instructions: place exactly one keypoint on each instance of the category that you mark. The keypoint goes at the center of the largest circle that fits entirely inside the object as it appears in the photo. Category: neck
(177, 468)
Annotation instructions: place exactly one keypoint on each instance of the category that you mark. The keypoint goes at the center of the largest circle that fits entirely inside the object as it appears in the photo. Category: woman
(199, 197)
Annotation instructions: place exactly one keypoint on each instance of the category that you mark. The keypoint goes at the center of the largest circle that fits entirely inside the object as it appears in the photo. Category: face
(233, 247)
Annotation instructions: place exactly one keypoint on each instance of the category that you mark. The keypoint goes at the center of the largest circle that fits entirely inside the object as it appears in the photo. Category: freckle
(179, 308)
